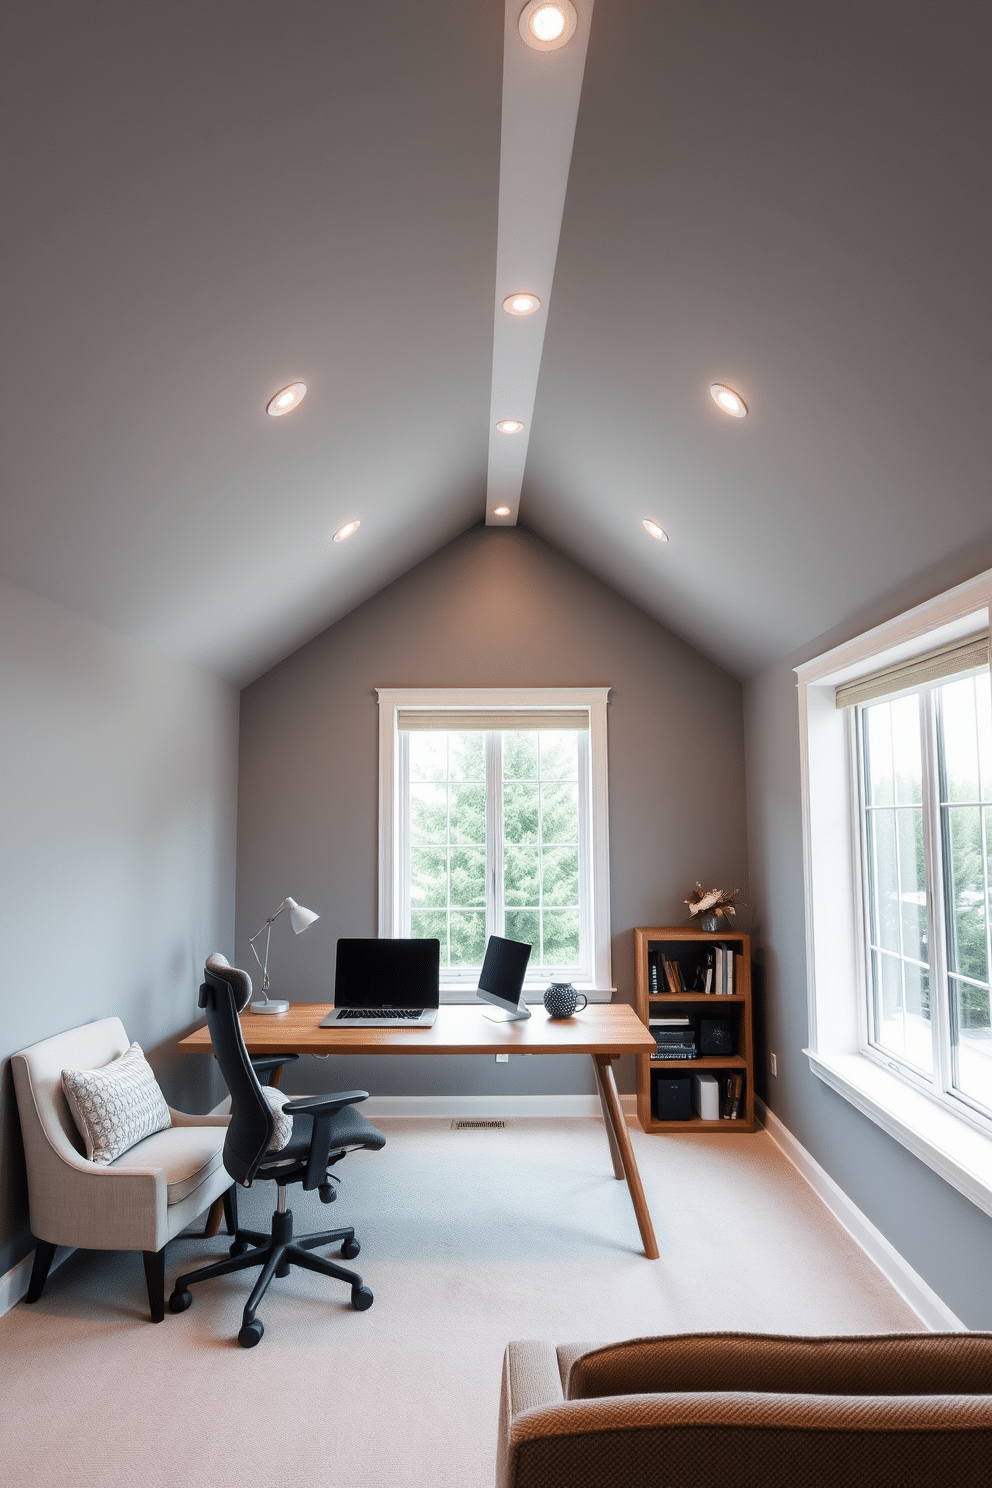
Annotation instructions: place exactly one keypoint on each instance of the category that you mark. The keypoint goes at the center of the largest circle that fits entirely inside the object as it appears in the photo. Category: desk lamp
(299, 918)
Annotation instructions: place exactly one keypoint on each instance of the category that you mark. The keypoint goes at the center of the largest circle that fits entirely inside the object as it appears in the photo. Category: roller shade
(480, 720)
(931, 666)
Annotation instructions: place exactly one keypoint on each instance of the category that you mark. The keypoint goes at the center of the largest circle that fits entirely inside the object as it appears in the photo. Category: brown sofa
(740, 1410)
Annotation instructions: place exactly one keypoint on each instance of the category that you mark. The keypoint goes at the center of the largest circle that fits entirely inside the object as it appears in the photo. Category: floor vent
(469, 1125)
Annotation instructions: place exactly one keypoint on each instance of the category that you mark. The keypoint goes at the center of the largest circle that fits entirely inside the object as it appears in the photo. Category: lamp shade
(299, 917)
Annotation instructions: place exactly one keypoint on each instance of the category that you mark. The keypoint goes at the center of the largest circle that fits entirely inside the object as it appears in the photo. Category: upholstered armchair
(139, 1201)
(735, 1410)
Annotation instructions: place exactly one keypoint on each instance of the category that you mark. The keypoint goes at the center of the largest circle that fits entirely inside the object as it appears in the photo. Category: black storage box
(715, 1036)
(671, 1097)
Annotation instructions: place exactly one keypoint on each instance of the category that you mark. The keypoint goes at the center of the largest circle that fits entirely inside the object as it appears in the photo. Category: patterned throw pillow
(283, 1129)
(116, 1106)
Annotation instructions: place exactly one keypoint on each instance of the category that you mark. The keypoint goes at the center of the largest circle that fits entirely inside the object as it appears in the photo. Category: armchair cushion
(116, 1106)
(187, 1155)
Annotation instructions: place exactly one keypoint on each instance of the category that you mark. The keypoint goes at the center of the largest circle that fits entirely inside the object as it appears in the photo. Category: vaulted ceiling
(205, 201)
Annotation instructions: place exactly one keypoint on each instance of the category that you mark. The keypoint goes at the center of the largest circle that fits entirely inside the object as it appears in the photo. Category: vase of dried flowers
(715, 907)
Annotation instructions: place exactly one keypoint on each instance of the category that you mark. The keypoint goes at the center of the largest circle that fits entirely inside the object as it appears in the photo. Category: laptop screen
(387, 973)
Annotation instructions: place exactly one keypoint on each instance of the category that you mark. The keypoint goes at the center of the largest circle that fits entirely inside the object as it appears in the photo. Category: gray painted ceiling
(203, 202)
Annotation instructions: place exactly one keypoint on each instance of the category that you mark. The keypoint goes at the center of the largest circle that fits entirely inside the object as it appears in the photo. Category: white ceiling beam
(540, 104)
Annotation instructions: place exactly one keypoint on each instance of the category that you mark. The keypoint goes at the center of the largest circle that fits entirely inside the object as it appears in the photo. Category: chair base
(275, 1254)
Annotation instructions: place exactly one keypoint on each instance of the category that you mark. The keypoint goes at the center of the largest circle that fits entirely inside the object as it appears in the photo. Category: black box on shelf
(671, 1097)
(716, 1036)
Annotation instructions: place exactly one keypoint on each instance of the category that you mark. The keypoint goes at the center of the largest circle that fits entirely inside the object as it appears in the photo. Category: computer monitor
(501, 980)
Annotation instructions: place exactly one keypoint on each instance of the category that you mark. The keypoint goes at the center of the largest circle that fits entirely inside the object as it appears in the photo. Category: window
(493, 821)
(926, 772)
(896, 774)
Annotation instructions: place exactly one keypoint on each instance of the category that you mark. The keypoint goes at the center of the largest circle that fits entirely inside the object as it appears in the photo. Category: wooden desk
(602, 1030)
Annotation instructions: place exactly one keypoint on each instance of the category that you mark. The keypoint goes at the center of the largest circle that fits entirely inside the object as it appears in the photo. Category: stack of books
(675, 1038)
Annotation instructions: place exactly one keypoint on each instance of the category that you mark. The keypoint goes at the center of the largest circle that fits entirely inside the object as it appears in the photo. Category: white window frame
(949, 1138)
(594, 800)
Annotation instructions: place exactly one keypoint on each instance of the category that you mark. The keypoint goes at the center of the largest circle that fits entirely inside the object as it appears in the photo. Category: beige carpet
(469, 1239)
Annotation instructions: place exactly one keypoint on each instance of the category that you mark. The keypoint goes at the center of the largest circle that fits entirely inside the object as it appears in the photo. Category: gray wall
(118, 789)
(496, 608)
(940, 1233)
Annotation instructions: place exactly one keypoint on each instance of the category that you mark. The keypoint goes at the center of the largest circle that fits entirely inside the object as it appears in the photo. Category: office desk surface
(610, 1028)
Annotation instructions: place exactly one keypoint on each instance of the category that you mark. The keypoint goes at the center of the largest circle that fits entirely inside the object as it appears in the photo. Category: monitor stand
(497, 1015)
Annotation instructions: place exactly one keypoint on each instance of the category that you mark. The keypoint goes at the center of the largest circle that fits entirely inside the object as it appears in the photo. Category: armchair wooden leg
(155, 1280)
(44, 1254)
(230, 1202)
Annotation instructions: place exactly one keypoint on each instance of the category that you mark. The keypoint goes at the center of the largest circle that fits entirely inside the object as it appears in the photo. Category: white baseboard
(490, 1106)
(14, 1285)
(914, 1291)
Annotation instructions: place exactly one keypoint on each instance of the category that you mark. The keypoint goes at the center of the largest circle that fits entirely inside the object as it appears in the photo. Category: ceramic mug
(562, 1000)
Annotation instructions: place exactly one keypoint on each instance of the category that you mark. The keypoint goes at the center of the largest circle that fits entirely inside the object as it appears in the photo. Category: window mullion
(863, 876)
(934, 858)
(495, 906)
(401, 903)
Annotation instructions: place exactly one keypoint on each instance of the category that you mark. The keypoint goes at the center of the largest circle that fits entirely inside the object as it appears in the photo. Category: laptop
(385, 984)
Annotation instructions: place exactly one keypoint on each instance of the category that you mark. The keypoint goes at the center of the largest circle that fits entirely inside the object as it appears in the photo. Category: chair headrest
(219, 966)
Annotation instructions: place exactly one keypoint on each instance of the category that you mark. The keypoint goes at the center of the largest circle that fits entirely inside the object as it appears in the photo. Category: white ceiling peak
(540, 104)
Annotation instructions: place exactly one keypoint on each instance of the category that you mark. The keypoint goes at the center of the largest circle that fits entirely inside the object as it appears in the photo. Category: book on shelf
(672, 975)
(733, 1090)
(710, 964)
(653, 972)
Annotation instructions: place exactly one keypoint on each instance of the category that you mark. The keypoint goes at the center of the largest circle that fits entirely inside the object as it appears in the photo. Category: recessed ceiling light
(509, 426)
(521, 304)
(655, 530)
(501, 511)
(547, 25)
(346, 531)
(286, 399)
(727, 400)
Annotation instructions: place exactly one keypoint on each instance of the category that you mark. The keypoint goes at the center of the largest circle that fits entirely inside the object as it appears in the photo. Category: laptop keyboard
(386, 1012)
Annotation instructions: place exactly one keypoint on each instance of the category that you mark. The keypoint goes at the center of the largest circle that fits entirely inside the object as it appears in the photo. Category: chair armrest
(265, 1065)
(324, 1105)
(775, 1440)
(531, 1378)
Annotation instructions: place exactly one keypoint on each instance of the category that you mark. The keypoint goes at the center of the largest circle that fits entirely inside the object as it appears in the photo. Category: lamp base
(270, 1007)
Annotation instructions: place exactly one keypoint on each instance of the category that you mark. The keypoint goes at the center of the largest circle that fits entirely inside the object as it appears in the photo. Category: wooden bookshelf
(684, 945)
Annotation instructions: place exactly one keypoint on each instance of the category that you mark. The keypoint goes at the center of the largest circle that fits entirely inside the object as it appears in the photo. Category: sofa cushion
(187, 1155)
(116, 1105)
(879, 1364)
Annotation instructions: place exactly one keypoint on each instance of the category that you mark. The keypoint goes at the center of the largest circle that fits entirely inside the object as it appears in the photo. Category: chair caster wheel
(350, 1249)
(251, 1334)
(179, 1301)
(361, 1298)
(238, 1247)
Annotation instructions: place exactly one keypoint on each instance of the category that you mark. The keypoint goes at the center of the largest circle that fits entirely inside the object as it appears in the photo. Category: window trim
(594, 700)
(951, 1142)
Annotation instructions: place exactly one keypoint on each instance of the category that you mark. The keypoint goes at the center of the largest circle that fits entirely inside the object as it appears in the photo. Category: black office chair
(325, 1128)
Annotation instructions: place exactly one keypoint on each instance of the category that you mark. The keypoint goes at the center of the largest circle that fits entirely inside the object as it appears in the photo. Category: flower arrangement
(709, 903)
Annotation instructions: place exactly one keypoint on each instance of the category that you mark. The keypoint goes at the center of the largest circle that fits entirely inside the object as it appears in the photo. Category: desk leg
(611, 1102)
(214, 1216)
(618, 1171)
